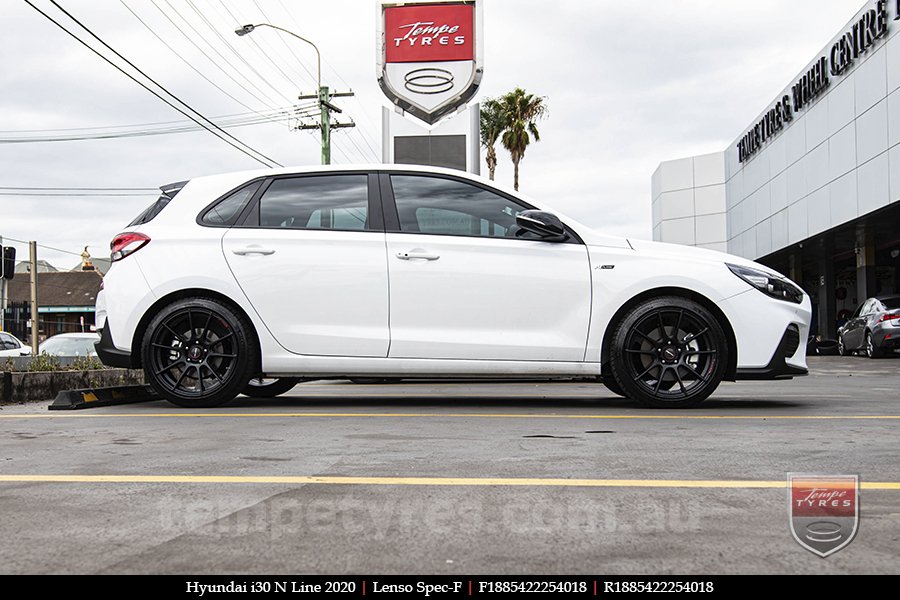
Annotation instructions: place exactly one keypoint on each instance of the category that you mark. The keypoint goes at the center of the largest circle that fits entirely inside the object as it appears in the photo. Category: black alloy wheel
(198, 353)
(669, 352)
(263, 387)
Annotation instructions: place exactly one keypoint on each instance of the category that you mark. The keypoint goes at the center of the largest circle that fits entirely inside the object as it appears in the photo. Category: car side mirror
(545, 225)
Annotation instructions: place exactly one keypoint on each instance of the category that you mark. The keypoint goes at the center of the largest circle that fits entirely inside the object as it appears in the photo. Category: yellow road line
(427, 481)
(213, 414)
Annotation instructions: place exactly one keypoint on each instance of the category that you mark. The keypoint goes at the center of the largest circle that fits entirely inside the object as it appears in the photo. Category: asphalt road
(514, 478)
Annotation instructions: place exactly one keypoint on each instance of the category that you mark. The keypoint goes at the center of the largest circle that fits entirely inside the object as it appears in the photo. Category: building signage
(429, 60)
(862, 36)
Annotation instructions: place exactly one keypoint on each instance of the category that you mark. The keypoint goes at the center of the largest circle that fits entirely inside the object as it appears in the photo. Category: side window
(866, 308)
(338, 202)
(444, 206)
(227, 210)
(7, 342)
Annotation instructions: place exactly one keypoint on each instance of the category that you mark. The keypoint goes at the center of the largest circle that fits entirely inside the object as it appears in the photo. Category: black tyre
(668, 352)
(198, 353)
(610, 382)
(259, 387)
(872, 351)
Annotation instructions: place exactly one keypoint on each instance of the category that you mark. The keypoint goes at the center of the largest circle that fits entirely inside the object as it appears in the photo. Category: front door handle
(417, 254)
(252, 250)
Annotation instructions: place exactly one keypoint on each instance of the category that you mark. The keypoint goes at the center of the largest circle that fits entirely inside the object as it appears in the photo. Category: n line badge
(823, 511)
(429, 55)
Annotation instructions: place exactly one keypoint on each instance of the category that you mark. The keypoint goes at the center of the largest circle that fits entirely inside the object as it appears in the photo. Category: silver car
(874, 329)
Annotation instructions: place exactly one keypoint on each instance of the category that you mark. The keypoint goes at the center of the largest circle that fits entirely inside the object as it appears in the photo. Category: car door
(310, 256)
(853, 333)
(465, 286)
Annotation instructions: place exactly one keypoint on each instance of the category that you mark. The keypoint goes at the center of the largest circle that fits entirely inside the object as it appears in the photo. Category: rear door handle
(417, 255)
(252, 250)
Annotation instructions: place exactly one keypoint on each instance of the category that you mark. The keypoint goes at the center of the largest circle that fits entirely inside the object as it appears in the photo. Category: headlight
(768, 284)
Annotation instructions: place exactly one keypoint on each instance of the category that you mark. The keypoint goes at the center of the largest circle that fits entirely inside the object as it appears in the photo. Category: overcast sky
(628, 85)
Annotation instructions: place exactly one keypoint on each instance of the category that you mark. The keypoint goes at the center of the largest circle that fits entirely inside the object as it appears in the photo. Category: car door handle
(417, 255)
(252, 250)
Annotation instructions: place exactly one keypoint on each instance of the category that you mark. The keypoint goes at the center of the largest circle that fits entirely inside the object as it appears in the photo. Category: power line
(256, 44)
(120, 69)
(184, 60)
(145, 131)
(231, 48)
(268, 103)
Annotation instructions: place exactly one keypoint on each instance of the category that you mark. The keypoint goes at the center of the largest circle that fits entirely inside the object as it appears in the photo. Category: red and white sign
(430, 57)
(429, 33)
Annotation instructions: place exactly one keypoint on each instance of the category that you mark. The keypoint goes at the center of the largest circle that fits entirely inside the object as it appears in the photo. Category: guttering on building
(811, 187)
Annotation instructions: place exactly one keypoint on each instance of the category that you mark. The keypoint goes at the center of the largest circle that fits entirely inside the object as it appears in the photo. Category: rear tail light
(889, 318)
(126, 243)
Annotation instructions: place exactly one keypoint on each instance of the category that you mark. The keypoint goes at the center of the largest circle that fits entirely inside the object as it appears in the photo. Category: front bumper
(778, 367)
(110, 355)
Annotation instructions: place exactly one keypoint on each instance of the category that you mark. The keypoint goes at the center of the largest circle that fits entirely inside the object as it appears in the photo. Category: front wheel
(668, 352)
(260, 387)
(198, 353)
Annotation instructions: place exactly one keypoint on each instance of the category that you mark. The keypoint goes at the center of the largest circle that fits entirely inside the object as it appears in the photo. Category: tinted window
(868, 307)
(443, 206)
(7, 342)
(321, 202)
(148, 214)
(227, 210)
(891, 303)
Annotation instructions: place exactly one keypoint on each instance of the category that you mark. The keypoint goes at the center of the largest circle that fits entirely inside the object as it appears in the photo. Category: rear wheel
(668, 352)
(872, 351)
(198, 353)
(842, 349)
(261, 387)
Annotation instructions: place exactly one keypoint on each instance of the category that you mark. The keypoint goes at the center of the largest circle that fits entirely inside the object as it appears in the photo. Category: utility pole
(325, 125)
(32, 260)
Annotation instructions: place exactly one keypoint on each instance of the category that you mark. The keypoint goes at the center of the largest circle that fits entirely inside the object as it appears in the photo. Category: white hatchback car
(380, 271)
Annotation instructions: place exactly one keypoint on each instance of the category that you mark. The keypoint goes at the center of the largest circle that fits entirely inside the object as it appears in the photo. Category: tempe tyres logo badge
(429, 62)
(823, 511)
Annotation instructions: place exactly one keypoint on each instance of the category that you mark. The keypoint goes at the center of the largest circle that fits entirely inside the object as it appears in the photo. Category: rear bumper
(778, 367)
(109, 354)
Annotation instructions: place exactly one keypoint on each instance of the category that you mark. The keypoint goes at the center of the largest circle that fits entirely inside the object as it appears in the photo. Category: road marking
(261, 415)
(429, 481)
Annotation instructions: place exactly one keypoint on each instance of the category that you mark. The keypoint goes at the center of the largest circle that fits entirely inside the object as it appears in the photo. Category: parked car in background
(874, 329)
(400, 271)
(70, 344)
(10, 345)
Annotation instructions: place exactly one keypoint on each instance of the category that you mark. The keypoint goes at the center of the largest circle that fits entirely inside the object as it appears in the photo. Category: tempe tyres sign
(847, 50)
(429, 56)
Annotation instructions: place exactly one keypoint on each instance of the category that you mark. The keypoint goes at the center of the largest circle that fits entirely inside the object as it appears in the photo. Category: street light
(323, 97)
(245, 29)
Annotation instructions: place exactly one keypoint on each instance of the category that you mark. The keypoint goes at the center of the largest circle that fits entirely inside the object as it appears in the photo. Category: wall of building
(689, 201)
(837, 160)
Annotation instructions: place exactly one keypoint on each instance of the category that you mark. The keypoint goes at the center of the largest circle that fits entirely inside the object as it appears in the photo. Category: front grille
(791, 340)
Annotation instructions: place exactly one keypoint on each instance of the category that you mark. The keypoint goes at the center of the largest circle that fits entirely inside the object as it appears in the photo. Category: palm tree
(520, 110)
(491, 127)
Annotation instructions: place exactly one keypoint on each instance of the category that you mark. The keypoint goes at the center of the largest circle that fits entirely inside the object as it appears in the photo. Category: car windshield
(69, 346)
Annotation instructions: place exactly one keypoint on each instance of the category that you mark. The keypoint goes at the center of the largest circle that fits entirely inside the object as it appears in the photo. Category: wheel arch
(731, 369)
(151, 312)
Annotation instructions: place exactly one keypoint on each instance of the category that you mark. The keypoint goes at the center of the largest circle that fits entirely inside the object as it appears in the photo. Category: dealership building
(811, 187)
